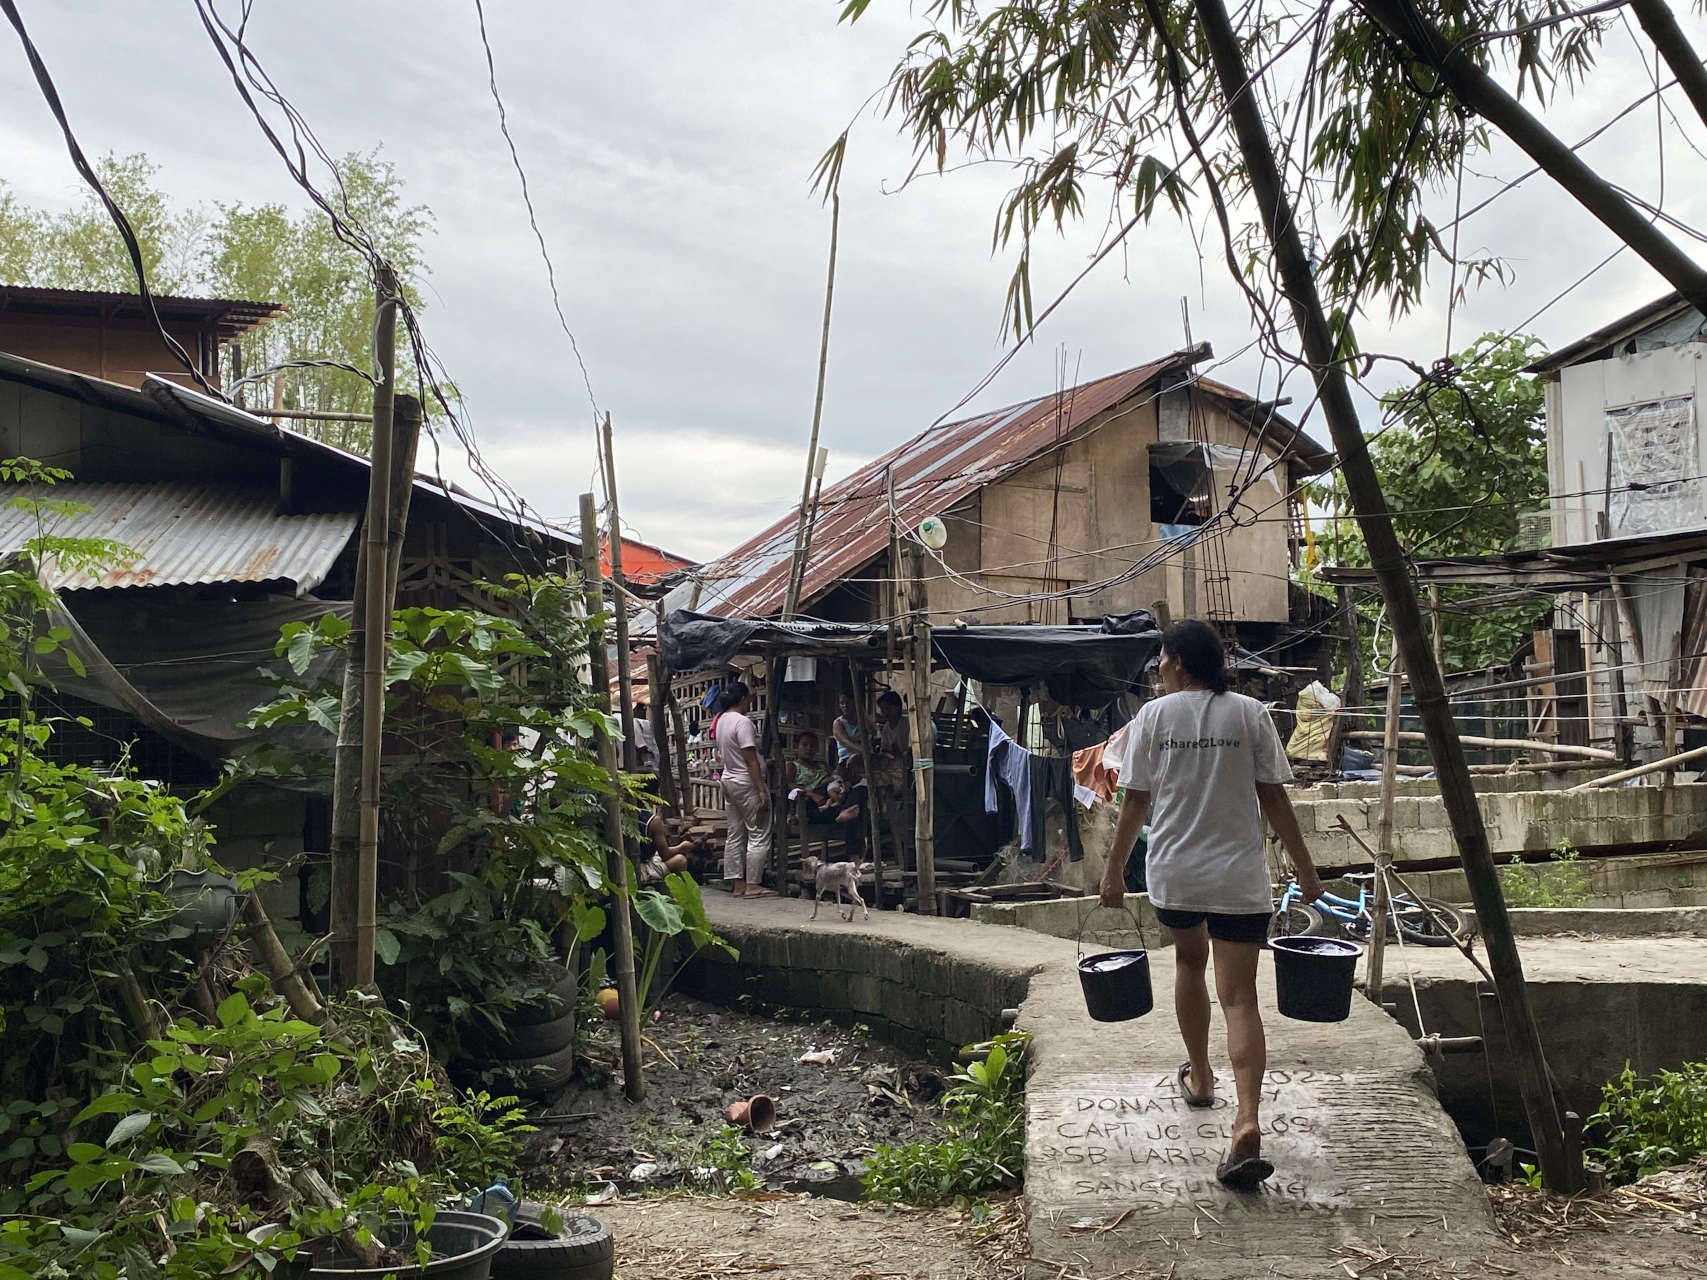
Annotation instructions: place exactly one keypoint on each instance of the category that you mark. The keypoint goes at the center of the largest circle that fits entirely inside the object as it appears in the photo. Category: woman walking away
(746, 796)
(1211, 764)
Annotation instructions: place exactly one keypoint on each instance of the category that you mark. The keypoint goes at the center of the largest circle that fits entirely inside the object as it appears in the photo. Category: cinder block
(865, 993)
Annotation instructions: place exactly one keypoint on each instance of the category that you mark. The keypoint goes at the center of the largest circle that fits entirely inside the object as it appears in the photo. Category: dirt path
(703, 1238)
(682, 1237)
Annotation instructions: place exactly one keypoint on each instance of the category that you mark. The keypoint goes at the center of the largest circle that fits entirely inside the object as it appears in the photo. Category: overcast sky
(669, 145)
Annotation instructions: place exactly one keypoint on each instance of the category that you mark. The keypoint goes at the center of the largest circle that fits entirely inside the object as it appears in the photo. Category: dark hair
(733, 695)
(1198, 648)
(889, 698)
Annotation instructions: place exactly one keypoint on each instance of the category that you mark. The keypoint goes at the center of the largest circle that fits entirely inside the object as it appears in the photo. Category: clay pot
(757, 1113)
(677, 864)
(610, 1004)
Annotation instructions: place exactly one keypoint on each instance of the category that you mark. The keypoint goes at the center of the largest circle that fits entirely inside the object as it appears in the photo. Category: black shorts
(1228, 928)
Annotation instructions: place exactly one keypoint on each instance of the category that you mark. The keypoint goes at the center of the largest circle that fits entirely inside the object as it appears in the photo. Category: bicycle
(1329, 914)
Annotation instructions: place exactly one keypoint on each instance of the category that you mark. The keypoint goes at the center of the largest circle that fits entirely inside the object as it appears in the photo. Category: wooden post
(592, 588)
(1434, 619)
(924, 775)
(864, 709)
(658, 680)
(679, 728)
(1323, 349)
(1384, 842)
(1347, 718)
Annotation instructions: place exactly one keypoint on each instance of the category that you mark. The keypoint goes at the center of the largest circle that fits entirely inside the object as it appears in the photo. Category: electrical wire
(86, 171)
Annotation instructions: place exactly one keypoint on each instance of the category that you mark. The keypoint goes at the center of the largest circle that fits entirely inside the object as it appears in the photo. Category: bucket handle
(1084, 921)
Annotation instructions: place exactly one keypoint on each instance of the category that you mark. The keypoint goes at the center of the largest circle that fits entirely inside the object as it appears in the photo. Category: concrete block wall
(1517, 821)
(924, 999)
(1629, 883)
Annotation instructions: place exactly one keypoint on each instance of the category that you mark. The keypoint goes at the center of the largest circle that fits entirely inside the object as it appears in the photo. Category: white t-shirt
(735, 732)
(1200, 756)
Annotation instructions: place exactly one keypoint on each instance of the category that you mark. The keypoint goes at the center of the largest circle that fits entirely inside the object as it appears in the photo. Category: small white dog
(837, 878)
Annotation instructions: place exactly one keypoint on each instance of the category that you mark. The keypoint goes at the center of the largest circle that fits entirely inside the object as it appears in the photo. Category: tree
(265, 253)
(1460, 465)
(1098, 82)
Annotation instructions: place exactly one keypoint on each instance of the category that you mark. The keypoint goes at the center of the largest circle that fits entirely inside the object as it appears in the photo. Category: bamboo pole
(924, 777)
(1497, 744)
(1323, 349)
(345, 844)
(619, 607)
(592, 588)
(802, 525)
(1653, 766)
(376, 625)
(1384, 841)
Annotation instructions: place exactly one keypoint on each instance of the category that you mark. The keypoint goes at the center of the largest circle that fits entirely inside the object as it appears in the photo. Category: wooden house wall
(1094, 494)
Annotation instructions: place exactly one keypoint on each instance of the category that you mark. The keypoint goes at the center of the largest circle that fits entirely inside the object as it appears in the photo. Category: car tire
(530, 1040)
(583, 1250)
(536, 1077)
(562, 988)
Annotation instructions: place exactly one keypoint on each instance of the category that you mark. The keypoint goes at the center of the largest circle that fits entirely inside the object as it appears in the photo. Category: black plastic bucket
(1116, 983)
(1313, 977)
(464, 1245)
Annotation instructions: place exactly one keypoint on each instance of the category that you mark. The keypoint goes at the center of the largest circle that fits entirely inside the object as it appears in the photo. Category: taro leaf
(589, 920)
(660, 914)
(386, 946)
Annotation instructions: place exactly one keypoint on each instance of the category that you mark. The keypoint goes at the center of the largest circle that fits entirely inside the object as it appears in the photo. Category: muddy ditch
(838, 1091)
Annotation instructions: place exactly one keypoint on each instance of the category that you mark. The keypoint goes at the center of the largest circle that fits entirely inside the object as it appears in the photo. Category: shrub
(1559, 882)
(1649, 1123)
(985, 1146)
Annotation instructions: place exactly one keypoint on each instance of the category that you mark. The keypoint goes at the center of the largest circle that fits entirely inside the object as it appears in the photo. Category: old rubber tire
(562, 988)
(1420, 928)
(530, 1040)
(536, 1077)
(584, 1250)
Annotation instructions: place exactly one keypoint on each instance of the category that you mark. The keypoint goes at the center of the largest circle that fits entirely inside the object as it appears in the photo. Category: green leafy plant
(510, 841)
(726, 1153)
(480, 1139)
(1649, 1123)
(985, 1143)
(1560, 882)
(679, 912)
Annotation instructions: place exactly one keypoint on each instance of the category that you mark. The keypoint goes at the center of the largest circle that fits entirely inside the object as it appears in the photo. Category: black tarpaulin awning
(1087, 665)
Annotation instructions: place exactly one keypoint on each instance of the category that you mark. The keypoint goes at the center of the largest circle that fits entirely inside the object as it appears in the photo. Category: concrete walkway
(1120, 1173)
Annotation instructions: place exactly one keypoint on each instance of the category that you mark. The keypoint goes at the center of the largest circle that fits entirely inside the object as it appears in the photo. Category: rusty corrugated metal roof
(180, 534)
(939, 468)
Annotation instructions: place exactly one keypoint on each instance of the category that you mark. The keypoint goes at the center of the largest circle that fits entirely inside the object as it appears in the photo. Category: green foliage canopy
(1460, 465)
(266, 253)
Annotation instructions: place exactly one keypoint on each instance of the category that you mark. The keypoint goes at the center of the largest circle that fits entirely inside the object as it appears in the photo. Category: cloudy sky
(669, 145)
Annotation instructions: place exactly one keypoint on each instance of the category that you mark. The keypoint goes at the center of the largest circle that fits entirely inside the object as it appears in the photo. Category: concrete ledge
(928, 989)
(1066, 917)
(1609, 922)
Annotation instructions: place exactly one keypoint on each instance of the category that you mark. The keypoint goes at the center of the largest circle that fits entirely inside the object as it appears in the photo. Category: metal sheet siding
(182, 534)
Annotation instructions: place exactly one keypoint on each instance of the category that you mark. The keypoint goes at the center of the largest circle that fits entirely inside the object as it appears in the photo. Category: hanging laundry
(1096, 770)
(1031, 779)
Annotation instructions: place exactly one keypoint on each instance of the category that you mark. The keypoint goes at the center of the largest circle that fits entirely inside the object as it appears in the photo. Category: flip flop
(1243, 1175)
(1193, 1099)
(754, 891)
